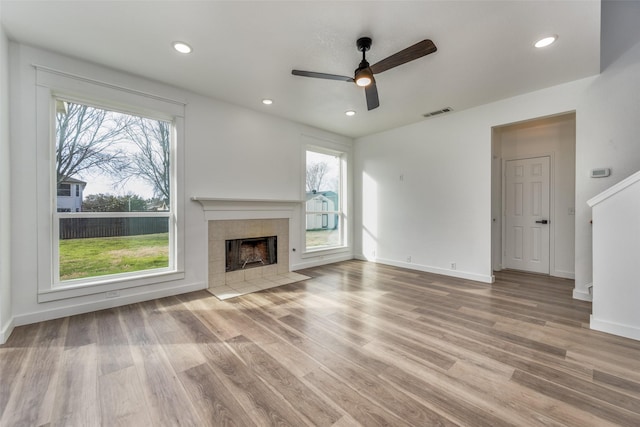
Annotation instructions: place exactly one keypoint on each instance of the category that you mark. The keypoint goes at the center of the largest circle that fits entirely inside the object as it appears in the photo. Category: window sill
(61, 292)
(325, 251)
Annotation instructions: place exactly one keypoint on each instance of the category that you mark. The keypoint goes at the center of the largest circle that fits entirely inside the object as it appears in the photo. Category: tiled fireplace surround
(222, 230)
(228, 219)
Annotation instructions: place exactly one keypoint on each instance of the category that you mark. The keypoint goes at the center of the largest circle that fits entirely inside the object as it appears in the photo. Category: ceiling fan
(363, 75)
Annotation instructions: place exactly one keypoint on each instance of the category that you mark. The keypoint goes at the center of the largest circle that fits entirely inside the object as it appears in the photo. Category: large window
(324, 207)
(121, 225)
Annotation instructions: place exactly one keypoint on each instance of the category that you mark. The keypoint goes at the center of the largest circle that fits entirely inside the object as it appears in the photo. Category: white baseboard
(71, 310)
(626, 331)
(436, 270)
(564, 274)
(582, 295)
(5, 332)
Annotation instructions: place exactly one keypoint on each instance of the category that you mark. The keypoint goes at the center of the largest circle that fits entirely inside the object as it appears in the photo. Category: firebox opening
(253, 252)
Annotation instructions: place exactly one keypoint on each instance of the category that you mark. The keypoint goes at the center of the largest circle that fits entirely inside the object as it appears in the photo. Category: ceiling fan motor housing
(364, 44)
(363, 75)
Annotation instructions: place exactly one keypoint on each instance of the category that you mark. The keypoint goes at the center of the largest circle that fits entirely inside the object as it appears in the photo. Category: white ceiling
(245, 51)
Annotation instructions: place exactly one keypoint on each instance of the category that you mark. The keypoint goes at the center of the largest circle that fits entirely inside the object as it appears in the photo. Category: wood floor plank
(165, 396)
(82, 330)
(536, 408)
(76, 401)
(113, 351)
(34, 392)
(248, 390)
(361, 409)
(12, 357)
(615, 381)
(362, 373)
(358, 343)
(121, 399)
(213, 400)
(303, 399)
(590, 404)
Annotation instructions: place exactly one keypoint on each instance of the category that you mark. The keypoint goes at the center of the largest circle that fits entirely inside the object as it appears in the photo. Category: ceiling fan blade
(418, 50)
(321, 75)
(371, 93)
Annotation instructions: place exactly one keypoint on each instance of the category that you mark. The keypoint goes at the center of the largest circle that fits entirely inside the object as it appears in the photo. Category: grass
(100, 256)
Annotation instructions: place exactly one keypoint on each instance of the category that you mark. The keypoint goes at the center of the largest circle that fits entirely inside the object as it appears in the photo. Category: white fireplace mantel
(222, 209)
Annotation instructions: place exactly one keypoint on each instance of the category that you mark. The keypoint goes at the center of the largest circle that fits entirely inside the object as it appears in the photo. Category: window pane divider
(111, 214)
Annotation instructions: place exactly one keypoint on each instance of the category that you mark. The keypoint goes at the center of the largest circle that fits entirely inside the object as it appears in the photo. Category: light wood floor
(358, 344)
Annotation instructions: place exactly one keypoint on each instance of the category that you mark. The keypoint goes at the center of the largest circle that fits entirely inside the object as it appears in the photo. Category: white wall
(608, 129)
(440, 213)
(556, 137)
(230, 152)
(6, 324)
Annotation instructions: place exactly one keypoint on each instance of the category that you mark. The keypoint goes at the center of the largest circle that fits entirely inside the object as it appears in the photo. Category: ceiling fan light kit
(363, 75)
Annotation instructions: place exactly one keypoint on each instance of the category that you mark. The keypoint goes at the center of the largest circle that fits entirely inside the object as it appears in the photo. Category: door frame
(503, 209)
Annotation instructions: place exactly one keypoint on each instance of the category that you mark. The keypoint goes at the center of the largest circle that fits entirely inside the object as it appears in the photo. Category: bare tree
(85, 139)
(152, 163)
(315, 175)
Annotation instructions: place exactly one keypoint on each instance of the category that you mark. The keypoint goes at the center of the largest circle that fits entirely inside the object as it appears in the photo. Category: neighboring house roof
(328, 194)
(159, 208)
(69, 180)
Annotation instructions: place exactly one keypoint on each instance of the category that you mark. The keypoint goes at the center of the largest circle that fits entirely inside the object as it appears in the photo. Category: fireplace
(242, 250)
(250, 253)
(249, 220)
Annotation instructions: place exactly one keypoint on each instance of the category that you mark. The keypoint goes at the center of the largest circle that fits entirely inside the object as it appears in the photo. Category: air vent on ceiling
(437, 112)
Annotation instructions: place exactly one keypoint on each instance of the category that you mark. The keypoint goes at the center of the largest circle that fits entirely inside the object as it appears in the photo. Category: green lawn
(80, 258)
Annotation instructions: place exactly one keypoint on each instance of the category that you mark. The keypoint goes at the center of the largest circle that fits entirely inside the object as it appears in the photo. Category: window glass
(121, 166)
(324, 216)
(64, 190)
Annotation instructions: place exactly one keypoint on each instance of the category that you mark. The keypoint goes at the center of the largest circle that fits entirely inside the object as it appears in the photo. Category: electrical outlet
(112, 294)
(453, 265)
(408, 259)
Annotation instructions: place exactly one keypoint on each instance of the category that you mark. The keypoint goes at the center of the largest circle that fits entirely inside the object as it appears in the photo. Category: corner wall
(6, 318)
(440, 211)
(608, 129)
(425, 189)
(229, 152)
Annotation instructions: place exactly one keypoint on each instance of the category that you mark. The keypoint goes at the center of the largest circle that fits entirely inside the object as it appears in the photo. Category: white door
(527, 214)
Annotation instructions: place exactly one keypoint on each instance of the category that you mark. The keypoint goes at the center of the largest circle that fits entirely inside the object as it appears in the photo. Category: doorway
(532, 148)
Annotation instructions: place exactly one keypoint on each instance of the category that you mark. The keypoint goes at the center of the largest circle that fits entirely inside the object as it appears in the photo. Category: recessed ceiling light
(182, 47)
(267, 101)
(546, 41)
(350, 113)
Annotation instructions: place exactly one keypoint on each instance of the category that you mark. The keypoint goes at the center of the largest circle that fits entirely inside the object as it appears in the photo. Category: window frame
(341, 212)
(52, 85)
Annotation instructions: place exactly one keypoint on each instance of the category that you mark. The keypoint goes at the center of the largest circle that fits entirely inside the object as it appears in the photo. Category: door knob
(542, 221)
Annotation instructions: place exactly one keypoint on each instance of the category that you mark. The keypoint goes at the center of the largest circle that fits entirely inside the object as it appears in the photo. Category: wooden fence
(80, 228)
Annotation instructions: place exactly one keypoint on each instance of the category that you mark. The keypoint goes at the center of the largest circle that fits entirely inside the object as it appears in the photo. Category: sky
(120, 140)
(97, 184)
